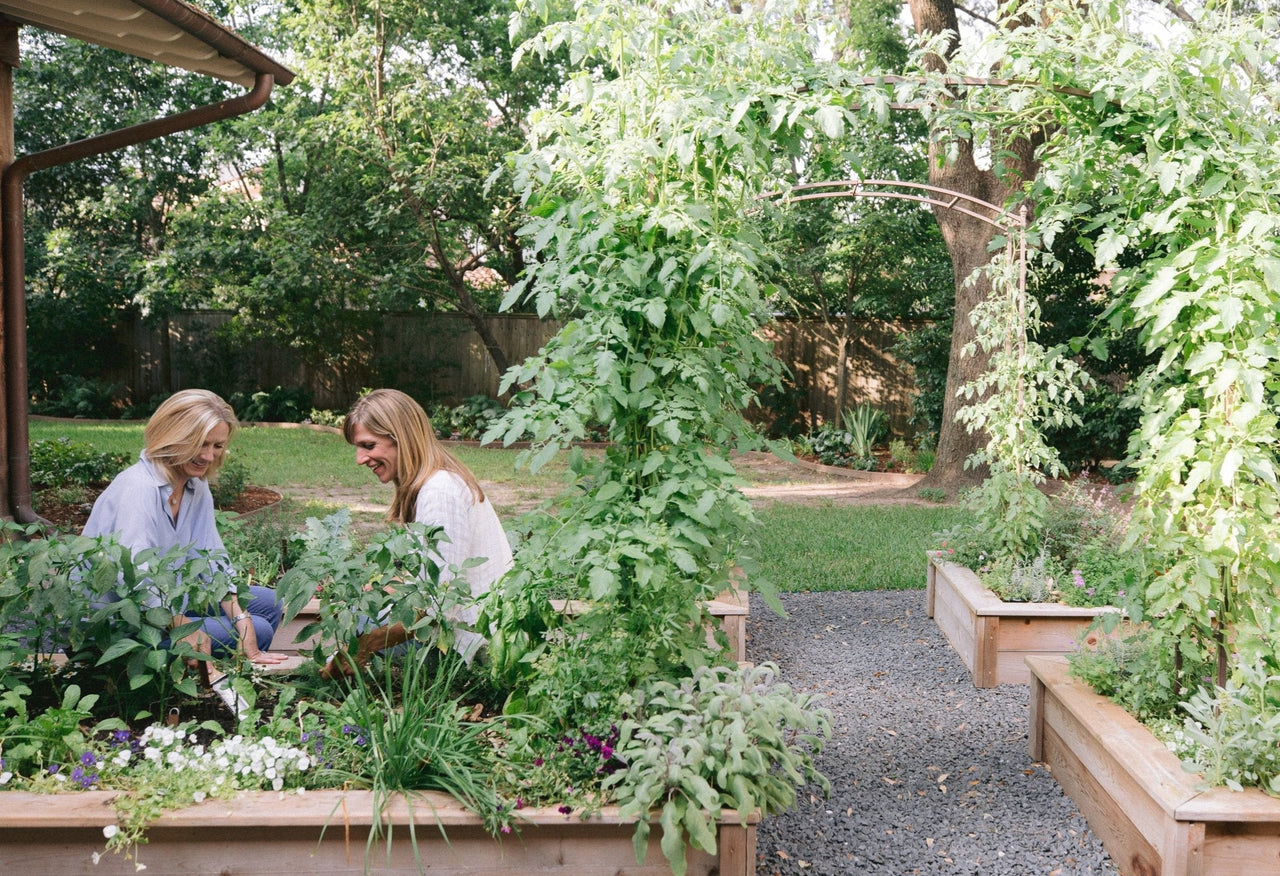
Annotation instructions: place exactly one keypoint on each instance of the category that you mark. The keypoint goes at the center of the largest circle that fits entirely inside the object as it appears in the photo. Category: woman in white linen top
(394, 438)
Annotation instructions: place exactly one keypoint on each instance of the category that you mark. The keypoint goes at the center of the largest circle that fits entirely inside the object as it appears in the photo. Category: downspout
(12, 230)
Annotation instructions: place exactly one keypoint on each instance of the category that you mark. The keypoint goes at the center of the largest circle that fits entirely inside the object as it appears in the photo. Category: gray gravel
(928, 773)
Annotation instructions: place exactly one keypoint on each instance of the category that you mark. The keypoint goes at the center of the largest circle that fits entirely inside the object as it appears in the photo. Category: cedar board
(268, 834)
(1153, 817)
(993, 638)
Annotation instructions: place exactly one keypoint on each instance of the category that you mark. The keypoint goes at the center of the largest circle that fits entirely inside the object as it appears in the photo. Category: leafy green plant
(232, 478)
(105, 606)
(866, 425)
(721, 738)
(1140, 668)
(650, 256)
(77, 396)
(1024, 388)
(394, 579)
(324, 417)
(60, 462)
(835, 446)
(56, 734)
(933, 494)
(1232, 733)
(278, 405)
(469, 420)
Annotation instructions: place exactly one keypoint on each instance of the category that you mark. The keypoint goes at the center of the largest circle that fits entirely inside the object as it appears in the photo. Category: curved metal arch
(933, 196)
(949, 200)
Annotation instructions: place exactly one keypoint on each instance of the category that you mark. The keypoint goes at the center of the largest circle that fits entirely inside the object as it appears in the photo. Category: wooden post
(9, 59)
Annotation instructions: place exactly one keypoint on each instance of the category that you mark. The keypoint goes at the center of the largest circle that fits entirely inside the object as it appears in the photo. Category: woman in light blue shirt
(163, 501)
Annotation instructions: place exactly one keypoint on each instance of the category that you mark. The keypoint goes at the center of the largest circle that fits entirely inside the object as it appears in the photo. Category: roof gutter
(214, 35)
(12, 239)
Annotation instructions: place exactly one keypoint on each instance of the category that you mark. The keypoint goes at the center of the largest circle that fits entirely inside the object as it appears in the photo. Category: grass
(847, 547)
(800, 547)
(281, 457)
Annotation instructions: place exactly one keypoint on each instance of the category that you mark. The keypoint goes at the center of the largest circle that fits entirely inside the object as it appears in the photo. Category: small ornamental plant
(166, 768)
(1081, 556)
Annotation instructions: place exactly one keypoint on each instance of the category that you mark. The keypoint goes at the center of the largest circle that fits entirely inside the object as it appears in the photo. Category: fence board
(439, 357)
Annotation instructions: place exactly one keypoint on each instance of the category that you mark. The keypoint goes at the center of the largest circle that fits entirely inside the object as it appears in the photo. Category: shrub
(229, 483)
(918, 459)
(1080, 555)
(1137, 667)
(82, 397)
(832, 445)
(278, 405)
(61, 462)
(467, 421)
(324, 417)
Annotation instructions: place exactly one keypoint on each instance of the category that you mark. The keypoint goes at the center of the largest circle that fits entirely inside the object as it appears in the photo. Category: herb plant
(721, 738)
(392, 579)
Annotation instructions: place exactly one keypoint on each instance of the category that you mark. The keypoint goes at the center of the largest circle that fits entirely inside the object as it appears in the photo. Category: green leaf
(118, 649)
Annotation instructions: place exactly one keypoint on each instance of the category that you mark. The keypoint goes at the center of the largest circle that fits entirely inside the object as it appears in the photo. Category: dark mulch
(70, 516)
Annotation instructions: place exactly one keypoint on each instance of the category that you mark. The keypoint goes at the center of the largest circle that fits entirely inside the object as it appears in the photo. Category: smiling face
(215, 444)
(378, 452)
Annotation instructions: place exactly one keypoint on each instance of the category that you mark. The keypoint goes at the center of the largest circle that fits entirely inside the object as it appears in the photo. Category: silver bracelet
(241, 616)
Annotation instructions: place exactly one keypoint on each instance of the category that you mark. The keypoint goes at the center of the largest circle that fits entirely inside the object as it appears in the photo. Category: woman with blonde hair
(163, 501)
(394, 438)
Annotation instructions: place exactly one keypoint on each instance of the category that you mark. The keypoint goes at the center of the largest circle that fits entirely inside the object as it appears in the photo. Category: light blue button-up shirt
(135, 508)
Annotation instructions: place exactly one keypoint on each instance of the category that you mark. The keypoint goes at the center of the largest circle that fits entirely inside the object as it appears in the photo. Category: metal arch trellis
(1014, 225)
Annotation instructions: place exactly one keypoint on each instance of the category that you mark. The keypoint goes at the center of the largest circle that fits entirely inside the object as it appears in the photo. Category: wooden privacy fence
(439, 357)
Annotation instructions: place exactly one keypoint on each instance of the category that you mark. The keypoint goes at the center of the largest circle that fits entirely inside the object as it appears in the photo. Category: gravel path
(928, 773)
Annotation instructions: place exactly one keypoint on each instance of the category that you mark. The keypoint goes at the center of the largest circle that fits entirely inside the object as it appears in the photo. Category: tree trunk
(967, 240)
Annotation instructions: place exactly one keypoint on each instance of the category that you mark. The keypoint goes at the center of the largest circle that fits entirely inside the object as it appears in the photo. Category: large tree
(383, 176)
(954, 166)
(92, 224)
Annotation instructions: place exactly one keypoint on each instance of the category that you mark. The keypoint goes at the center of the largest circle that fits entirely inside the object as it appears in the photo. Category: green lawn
(848, 547)
(280, 456)
(800, 547)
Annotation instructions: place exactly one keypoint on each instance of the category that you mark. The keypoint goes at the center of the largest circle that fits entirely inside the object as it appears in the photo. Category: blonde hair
(389, 413)
(177, 430)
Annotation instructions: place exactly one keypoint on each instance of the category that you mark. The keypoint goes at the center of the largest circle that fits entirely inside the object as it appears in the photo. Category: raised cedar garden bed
(731, 608)
(993, 637)
(1154, 818)
(265, 834)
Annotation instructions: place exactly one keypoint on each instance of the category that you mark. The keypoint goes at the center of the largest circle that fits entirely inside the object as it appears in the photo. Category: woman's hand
(249, 645)
(267, 658)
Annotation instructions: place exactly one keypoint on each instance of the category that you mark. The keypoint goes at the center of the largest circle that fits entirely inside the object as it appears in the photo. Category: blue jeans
(265, 612)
